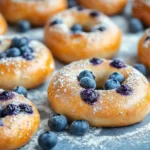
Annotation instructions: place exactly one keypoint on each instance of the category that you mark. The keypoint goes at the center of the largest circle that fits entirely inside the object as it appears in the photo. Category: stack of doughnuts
(36, 12)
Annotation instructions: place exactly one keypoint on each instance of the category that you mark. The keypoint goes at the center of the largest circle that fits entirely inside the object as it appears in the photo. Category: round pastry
(143, 49)
(19, 120)
(35, 11)
(24, 62)
(3, 25)
(141, 10)
(80, 33)
(109, 7)
(124, 105)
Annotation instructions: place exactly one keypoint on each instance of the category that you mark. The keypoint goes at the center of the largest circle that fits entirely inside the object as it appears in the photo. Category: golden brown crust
(111, 108)
(27, 73)
(17, 130)
(37, 12)
(3, 25)
(144, 49)
(141, 10)
(69, 47)
(109, 7)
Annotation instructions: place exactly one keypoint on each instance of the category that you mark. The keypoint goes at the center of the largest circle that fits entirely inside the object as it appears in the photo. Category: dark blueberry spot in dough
(90, 96)
(6, 95)
(80, 8)
(117, 64)
(28, 56)
(57, 21)
(125, 90)
(10, 109)
(26, 108)
(102, 28)
(94, 14)
(1, 109)
(77, 28)
(147, 38)
(96, 61)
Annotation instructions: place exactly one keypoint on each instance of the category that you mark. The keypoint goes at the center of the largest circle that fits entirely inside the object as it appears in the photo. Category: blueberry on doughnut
(24, 62)
(19, 120)
(74, 34)
(36, 12)
(121, 104)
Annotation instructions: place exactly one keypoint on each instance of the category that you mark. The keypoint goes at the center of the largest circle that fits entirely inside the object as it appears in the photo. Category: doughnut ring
(125, 105)
(3, 25)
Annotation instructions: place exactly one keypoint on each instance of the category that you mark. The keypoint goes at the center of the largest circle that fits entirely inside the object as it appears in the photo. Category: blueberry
(1, 109)
(26, 108)
(124, 90)
(102, 28)
(141, 68)
(19, 42)
(87, 83)
(79, 127)
(117, 76)
(94, 14)
(89, 96)
(21, 90)
(86, 73)
(111, 84)
(77, 28)
(135, 25)
(11, 109)
(80, 8)
(3, 55)
(58, 123)
(96, 61)
(117, 64)
(28, 56)
(147, 38)
(47, 140)
(26, 49)
(6, 95)
(57, 21)
(13, 52)
(23, 26)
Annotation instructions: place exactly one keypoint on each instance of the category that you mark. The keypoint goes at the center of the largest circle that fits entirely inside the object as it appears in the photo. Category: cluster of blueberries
(19, 47)
(59, 123)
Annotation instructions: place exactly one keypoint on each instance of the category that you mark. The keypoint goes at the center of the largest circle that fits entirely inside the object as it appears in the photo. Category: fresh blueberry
(26, 108)
(47, 140)
(21, 90)
(26, 49)
(94, 14)
(117, 64)
(86, 73)
(111, 84)
(58, 123)
(96, 61)
(1, 109)
(117, 76)
(124, 90)
(141, 68)
(57, 21)
(28, 56)
(11, 109)
(79, 127)
(23, 26)
(3, 55)
(135, 25)
(6, 95)
(87, 83)
(13, 52)
(89, 96)
(77, 28)
(19, 42)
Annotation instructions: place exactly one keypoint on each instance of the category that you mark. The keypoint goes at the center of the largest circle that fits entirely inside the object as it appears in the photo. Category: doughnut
(3, 25)
(141, 10)
(36, 12)
(108, 7)
(80, 33)
(143, 48)
(125, 105)
(19, 120)
(23, 62)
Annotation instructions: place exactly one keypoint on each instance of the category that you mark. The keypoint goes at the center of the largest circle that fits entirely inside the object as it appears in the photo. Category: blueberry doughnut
(3, 25)
(124, 100)
(141, 10)
(23, 62)
(36, 12)
(109, 7)
(143, 49)
(80, 33)
(19, 120)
